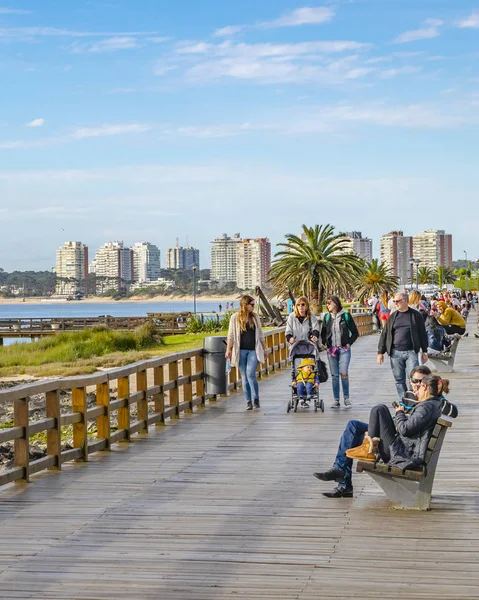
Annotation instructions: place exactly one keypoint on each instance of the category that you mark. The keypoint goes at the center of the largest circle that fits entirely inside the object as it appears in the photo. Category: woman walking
(246, 347)
(338, 334)
(302, 325)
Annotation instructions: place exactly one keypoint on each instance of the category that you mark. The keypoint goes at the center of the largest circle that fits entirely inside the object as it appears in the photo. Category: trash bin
(216, 378)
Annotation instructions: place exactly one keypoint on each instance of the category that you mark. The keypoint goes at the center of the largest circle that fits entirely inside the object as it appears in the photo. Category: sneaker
(256, 403)
(331, 475)
(347, 403)
(335, 404)
(249, 405)
(339, 492)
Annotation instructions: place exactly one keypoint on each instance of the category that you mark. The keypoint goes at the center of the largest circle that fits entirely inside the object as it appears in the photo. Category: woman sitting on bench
(401, 442)
(437, 341)
(449, 318)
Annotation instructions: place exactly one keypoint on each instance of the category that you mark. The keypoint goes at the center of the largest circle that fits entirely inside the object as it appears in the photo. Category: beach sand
(100, 300)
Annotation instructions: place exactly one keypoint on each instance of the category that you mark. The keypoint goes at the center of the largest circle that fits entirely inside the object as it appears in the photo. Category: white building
(253, 263)
(146, 262)
(224, 258)
(356, 244)
(113, 266)
(433, 248)
(396, 250)
(71, 268)
(182, 257)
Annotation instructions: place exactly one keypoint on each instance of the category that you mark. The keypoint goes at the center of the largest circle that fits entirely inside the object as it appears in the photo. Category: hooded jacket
(418, 333)
(349, 331)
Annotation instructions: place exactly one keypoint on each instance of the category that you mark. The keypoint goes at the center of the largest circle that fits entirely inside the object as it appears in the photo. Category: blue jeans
(305, 389)
(402, 363)
(352, 436)
(340, 364)
(247, 365)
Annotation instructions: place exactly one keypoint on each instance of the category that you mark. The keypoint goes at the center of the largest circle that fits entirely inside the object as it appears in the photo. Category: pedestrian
(302, 325)
(227, 306)
(383, 308)
(415, 301)
(220, 308)
(403, 337)
(246, 347)
(450, 319)
(338, 334)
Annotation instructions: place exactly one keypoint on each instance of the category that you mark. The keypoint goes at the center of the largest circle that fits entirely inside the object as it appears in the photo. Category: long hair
(436, 385)
(336, 301)
(244, 316)
(414, 298)
(298, 301)
(385, 299)
(432, 323)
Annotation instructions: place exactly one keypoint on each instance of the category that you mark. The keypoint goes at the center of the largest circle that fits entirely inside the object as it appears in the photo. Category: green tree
(444, 276)
(376, 279)
(314, 266)
(425, 275)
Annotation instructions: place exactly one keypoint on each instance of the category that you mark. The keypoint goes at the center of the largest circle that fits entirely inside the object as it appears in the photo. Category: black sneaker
(331, 475)
(256, 403)
(249, 405)
(339, 492)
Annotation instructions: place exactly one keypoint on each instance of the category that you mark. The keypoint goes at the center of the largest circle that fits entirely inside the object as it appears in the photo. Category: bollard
(216, 377)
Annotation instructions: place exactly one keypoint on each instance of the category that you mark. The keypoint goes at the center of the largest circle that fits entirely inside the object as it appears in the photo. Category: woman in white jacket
(246, 347)
(302, 324)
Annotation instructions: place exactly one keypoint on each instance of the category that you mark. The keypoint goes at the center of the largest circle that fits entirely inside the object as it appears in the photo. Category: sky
(155, 120)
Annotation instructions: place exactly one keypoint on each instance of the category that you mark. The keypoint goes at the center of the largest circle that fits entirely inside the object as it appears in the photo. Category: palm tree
(316, 265)
(425, 275)
(445, 275)
(376, 279)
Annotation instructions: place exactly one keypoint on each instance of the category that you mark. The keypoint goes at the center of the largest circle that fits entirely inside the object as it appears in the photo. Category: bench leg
(441, 366)
(405, 494)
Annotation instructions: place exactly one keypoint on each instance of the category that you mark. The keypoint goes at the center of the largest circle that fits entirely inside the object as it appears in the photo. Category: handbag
(322, 371)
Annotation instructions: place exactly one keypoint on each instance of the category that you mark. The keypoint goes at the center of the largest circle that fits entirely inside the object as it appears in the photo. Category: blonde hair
(385, 299)
(414, 297)
(296, 310)
(244, 316)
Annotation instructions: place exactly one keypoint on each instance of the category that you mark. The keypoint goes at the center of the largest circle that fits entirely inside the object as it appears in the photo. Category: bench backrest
(437, 437)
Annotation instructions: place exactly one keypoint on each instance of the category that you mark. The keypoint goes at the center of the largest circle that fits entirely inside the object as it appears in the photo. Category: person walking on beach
(402, 338)
(246, 347)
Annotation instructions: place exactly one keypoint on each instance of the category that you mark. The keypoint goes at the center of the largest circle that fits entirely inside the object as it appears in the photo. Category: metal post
(194, 290)
(417, 273)
(467, 286)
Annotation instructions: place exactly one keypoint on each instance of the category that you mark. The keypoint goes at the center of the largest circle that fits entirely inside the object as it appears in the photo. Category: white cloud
(108, 45)
(13, 11)
(306, 15)
(390, 73)
(229, 30)
(425, 33)
(471, 22)
(268, 50)
(109, 130)
(33, 32)
(36, 123)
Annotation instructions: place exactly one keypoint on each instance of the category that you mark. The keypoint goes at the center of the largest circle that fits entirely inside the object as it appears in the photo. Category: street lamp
(465, 253)
(194, 290)
(413, 261)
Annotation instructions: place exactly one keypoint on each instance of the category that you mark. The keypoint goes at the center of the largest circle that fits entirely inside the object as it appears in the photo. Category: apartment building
(71, 268)
(253, 262)
(224, 256)
(355, 243)
(113, 266)
(146, 262)
(396, 250)
(182, 257)
(433, 248)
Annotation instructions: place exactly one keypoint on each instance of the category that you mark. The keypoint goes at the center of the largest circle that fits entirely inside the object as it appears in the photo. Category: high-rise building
(355, 243)
(182, 257)
(253, 262)
(396, 250)
(224, 257)
(433, 248)
(146, 262)
(71, 268)
(113, 266)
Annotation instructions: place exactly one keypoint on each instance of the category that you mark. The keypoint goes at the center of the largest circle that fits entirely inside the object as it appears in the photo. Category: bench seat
(445, 360)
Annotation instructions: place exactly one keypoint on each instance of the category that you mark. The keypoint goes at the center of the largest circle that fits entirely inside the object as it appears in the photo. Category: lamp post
(417, 272)
(194, 290)
(412, 262)
(465, 253)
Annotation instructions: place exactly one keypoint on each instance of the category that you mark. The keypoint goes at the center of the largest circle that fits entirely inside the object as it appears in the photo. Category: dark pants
(450, 329)
(381, 425)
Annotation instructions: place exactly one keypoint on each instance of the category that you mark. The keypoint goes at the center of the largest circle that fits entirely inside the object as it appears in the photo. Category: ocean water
(87, 309)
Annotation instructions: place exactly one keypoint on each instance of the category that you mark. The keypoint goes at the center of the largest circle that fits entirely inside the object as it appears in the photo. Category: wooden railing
(117, 403)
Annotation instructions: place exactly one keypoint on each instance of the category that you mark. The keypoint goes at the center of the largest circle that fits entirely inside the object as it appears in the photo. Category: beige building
(356, 244)
(146, 262)
(182, 257)
(71, 268)
(396, 250)
(113, 266)
(224, 258)
(433, 248)
(253, 263)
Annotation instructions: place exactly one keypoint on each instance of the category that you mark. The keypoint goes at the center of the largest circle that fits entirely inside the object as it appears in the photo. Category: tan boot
(366, 451)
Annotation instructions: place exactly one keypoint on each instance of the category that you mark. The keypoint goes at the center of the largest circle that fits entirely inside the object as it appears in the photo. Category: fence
(112, 406)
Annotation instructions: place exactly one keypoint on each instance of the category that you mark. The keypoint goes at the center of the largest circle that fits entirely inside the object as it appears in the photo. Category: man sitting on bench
(355, 436)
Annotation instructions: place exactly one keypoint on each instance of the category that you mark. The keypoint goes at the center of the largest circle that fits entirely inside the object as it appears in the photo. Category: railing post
(54, 436)
(173, 376)
(284, 349)
(187, 387)
(159, 398)
(22, 445)
(270, 356)
(124, 413)
(200, 384)
(142, 404)
(80, 434)
(103, 422)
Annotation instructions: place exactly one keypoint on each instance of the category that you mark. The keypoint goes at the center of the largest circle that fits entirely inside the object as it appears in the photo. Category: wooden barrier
(121, 402)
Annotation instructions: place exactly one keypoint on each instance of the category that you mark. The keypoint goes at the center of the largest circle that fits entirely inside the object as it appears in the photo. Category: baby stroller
(301, 350)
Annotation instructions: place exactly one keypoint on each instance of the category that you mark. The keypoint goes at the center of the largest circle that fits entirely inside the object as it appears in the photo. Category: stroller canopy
(304, 349)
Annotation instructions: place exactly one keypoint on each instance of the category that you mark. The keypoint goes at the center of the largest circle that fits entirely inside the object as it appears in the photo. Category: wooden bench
(445, 360)
(408, 489)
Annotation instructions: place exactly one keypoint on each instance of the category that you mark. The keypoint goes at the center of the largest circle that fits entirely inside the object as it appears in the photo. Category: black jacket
(349, 331)
(414, 432)
(418, 333)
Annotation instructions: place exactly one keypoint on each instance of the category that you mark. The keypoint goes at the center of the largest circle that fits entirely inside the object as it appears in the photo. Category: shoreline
(135, 299)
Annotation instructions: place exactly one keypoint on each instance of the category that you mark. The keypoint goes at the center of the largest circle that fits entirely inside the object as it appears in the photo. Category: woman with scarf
(338, 334)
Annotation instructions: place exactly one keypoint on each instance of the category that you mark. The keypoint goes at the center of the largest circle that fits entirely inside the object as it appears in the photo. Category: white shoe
(335, 404)
(347, 403)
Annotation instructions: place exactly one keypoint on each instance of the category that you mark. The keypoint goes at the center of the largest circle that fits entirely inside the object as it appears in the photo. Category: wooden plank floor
(222, 504)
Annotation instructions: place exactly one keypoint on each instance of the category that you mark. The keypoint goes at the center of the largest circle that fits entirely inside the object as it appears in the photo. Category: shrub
(148, 335)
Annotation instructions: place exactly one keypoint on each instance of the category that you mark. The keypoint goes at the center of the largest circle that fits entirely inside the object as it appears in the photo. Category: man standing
(403, 337)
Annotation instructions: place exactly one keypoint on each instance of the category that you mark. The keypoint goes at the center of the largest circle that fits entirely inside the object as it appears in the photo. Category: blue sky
(152, 120)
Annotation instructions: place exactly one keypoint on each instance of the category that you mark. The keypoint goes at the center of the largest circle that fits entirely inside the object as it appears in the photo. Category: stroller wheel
(321, 405)
(296, 404)
(288, 408)
(315, 406)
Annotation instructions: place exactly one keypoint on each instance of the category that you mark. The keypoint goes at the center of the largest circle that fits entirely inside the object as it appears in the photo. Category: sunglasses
(415, 380)
(301, 304)
(398, 301)
(251, 303)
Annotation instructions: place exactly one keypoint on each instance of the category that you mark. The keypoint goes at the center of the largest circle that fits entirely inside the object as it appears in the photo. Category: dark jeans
(352, 436)
(381, 425)
(450, 329)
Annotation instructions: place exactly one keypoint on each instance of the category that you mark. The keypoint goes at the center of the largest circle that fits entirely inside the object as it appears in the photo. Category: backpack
(346, 318)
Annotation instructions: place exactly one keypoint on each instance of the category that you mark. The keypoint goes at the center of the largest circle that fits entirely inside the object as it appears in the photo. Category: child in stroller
(304, 373)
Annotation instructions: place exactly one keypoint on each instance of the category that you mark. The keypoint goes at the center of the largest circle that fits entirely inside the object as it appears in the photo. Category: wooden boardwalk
(222, 504)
